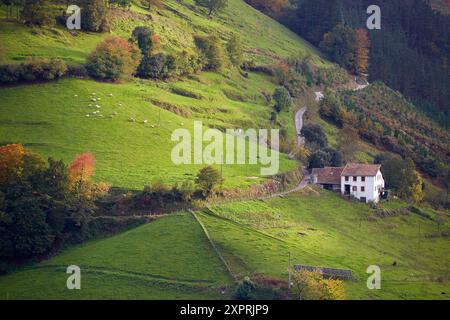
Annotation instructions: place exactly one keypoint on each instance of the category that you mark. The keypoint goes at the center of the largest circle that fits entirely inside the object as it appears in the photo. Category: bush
(113, 59)
(207, 180)
(159, 66)
(34, 69)
(235, 50)
(245, 290)
(283, 99)
(213, 52)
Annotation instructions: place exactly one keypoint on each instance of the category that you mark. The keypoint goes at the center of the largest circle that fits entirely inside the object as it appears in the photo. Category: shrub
(9, 74)
(113, 59)
(212, 50)
(207, 180)
(283, 99)
(235, 50)
(159, 66)
(34, 69)
(245, 290)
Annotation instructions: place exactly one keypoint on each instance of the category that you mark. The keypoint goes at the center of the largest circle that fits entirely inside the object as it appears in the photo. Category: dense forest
(410, 53)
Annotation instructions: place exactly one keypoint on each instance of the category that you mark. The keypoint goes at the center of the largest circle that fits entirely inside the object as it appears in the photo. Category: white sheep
(145, 121)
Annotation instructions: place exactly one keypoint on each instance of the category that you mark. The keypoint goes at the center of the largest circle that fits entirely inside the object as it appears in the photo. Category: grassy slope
(49, 119)
(324, 230)
(166, 259)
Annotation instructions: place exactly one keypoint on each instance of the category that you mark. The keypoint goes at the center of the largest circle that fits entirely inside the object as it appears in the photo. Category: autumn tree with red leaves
(82, 167)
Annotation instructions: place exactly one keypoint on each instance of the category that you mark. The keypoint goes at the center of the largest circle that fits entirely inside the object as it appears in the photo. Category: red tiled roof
(328, 175)
(358, 169)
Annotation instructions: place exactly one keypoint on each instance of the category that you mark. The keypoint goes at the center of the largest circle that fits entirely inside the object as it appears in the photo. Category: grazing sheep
(152, 126)
(87, 116)
(110, 95)
(93, 93)
(145, 121)
(93, 100)
(75, 95)
(97, 106)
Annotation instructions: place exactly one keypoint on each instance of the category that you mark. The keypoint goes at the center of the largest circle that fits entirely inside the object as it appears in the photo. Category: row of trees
(43, 203)
(116, 58)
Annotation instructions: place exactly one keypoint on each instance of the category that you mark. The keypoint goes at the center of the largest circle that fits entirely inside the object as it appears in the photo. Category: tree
(400, 176)
(245, 290)
(213, 6)
(11, 163)
(143, 37)
(319, 159)
(314, 135)
(82, 167)
(331, 107)
(207, 179)
(362, 51)
(335, 157)
(94, 15)
(212, 50)
(158, 66)
(113, 59)
(283, 99)
(311, 285)
(36, 12)
(235, 50)
(340, 44)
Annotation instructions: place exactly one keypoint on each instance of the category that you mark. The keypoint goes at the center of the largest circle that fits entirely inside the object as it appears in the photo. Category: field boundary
(205, 231)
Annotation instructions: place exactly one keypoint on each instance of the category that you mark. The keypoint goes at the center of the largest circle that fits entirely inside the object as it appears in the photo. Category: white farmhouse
(363, 181)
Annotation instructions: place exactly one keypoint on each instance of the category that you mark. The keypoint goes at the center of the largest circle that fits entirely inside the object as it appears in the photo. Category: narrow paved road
(299, 125)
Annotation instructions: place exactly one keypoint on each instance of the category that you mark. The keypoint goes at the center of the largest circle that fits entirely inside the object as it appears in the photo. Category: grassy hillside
(49, 118)
(319, 228)
(170, 258)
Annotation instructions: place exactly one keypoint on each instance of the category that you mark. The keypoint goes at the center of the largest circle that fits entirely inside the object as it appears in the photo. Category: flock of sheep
(94, 103)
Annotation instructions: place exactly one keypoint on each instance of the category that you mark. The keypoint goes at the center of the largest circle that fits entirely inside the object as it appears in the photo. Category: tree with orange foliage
(11, 162)
(362, 51)
(82, 167)
(113, 59)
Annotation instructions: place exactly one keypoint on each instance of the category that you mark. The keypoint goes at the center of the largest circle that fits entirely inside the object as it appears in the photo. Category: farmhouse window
(363, 179)
(363, 189)
(355, 178)
(354, 188)
(346, 178)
